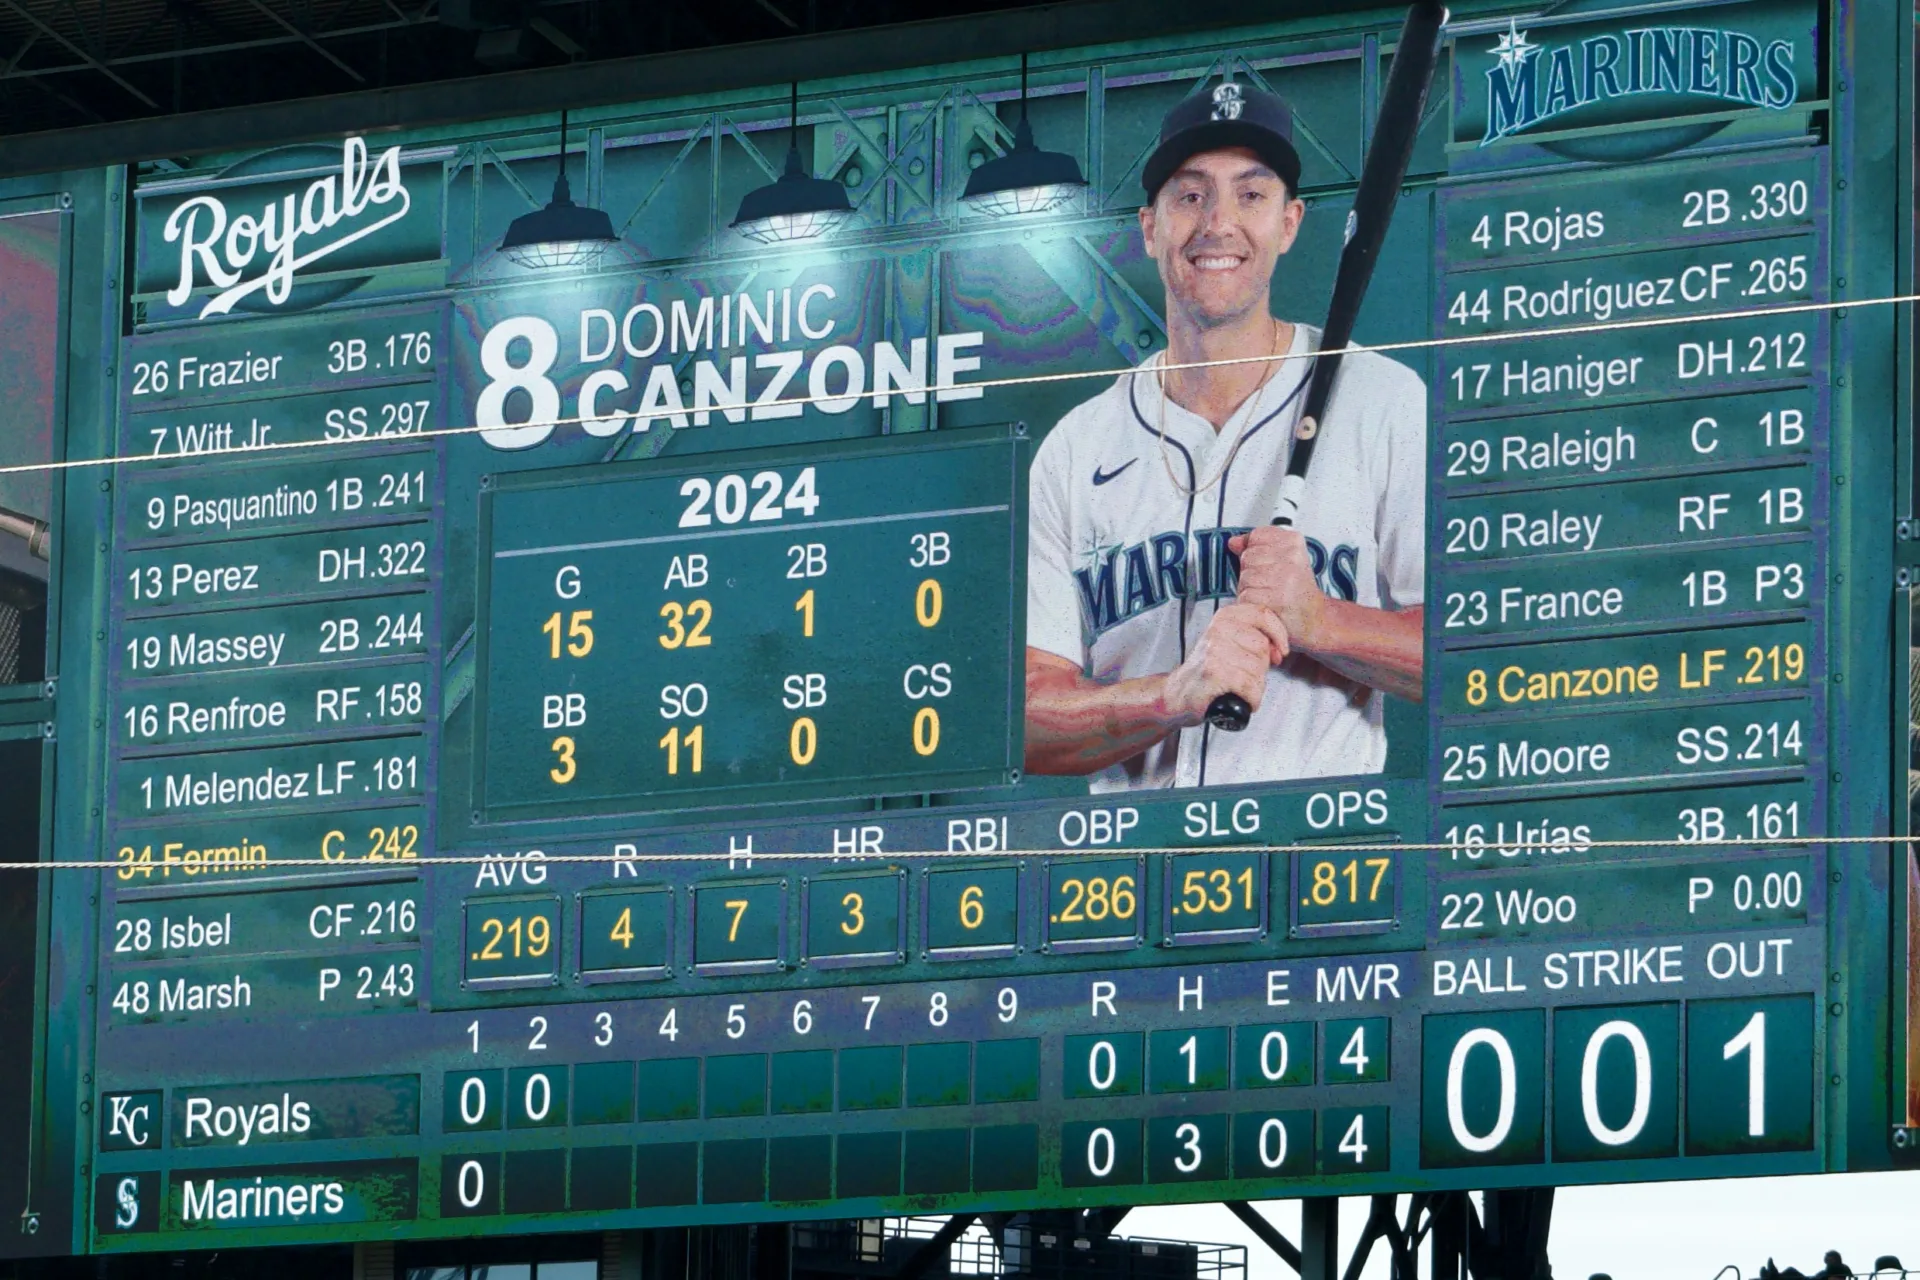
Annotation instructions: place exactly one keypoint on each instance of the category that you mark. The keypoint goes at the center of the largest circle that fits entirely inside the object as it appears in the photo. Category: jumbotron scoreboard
(548, 738)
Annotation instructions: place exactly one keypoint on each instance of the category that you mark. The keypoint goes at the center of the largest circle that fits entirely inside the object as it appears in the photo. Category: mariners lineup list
(1668, 546)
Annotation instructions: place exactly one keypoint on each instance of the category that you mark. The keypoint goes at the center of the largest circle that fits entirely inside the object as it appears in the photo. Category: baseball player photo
(1155, 580)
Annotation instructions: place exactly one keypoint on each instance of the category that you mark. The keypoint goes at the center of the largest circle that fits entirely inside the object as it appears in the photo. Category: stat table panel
(829, 621)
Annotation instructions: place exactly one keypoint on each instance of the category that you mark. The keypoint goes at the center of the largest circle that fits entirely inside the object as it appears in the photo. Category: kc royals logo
(129, 1121)
(1530, 84)
(1227, 101)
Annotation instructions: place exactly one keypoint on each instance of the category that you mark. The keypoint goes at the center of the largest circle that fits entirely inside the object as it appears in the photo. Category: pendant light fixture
(797, 205)
(563, 234)
(1025, 179)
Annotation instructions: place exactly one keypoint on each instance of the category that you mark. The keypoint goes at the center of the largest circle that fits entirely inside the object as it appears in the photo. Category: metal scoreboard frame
(621, 659)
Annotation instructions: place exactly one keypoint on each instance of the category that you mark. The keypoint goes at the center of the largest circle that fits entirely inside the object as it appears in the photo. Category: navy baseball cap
(1232, 115)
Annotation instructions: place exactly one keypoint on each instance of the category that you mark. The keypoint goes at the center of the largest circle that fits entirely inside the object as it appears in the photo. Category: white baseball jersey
(1127, 556)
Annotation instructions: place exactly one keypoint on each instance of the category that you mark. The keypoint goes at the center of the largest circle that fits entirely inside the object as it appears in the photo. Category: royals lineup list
(273, 641)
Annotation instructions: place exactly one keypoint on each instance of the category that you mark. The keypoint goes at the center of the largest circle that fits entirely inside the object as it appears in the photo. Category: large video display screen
(719, 724)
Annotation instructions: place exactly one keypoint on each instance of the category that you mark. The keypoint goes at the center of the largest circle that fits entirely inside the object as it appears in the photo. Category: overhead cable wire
(1472, 853)
(984, 384)
(1461, 852)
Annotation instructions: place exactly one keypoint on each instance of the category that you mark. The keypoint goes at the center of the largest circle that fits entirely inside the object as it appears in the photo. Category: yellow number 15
(579, 634)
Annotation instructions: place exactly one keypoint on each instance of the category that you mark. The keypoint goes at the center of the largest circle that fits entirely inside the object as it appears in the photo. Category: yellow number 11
(671, 745)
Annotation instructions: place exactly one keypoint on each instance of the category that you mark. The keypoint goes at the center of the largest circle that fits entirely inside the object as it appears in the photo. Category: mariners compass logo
(126, 1211)
(1530, 84)
(1228, 102)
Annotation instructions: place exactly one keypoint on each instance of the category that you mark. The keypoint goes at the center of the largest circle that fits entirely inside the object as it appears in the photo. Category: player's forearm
(1077, 726)
(1381, 648)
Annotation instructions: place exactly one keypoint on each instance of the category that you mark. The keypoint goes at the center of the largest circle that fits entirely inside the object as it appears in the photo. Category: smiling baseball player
(1154, 580)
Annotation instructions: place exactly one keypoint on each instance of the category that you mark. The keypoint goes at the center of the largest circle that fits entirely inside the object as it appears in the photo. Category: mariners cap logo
(1227, 101)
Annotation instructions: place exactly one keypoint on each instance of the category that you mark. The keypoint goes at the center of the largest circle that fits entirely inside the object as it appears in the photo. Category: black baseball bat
(1401, 108)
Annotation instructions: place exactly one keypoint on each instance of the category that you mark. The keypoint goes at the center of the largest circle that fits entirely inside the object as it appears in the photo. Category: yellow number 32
(699, 613)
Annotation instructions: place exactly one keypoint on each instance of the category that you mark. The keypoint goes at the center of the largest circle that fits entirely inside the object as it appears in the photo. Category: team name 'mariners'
(1529, 84)
(1123, 582)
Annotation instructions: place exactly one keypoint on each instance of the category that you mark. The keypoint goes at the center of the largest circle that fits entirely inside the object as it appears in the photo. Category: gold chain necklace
(1166, 458)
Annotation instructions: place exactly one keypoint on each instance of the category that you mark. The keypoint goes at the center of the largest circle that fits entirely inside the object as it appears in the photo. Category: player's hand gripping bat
(1401, 109)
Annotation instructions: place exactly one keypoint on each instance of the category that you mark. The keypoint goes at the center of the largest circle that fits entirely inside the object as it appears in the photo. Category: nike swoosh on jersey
(1101, 477)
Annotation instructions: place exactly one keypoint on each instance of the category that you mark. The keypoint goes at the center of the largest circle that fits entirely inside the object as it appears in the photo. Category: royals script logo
(1530, 84)
(248, 252)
